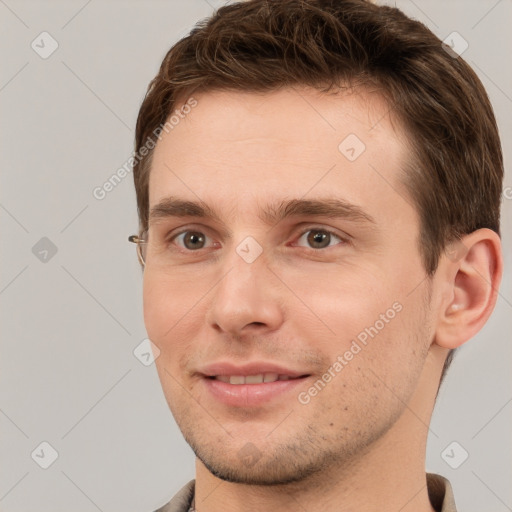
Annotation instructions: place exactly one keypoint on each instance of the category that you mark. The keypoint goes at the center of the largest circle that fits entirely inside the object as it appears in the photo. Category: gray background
(70, 323)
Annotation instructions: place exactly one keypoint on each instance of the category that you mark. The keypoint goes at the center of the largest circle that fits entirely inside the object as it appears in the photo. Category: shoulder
(181, 500)
(440, 493)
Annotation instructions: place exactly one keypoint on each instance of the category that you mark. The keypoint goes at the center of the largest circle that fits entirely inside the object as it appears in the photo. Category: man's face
(216, 306)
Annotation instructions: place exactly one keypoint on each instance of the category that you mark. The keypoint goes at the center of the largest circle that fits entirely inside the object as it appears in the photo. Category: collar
(439, 489)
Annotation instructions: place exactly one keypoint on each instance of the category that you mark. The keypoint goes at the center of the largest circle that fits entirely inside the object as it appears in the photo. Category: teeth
(252, 379)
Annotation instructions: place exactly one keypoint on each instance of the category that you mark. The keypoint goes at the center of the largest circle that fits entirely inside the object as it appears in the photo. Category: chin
(258, 475)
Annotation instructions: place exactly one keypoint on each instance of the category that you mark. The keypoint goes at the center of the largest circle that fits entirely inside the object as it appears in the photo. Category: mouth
(251, 385)
(259, 378)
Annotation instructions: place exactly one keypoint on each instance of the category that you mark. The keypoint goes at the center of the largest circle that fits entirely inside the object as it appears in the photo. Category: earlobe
(472, 270)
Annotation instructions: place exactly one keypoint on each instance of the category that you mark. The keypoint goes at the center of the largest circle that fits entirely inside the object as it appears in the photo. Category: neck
(389, 476)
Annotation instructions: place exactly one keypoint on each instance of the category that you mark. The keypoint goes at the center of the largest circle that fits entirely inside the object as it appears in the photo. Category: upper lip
(254, 368)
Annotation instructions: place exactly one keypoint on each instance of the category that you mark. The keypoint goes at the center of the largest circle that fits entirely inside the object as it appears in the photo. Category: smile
(252, 379)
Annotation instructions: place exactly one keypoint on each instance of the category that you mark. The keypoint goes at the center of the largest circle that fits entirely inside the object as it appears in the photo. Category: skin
(359, 444)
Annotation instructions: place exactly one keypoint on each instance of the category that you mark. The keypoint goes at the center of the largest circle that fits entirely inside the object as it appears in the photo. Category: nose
(248, 298)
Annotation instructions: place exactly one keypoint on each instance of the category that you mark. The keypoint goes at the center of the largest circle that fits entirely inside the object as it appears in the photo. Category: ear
(470, 270)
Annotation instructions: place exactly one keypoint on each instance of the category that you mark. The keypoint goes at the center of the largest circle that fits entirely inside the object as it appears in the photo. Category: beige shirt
(439, 491)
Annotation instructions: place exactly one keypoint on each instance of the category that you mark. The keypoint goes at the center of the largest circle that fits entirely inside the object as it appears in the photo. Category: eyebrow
(271, 214)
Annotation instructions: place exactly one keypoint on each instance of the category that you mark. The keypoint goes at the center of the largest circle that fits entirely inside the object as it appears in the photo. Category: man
(318, 188)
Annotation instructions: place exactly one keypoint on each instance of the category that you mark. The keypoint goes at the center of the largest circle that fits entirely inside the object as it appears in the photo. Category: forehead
(237, 148)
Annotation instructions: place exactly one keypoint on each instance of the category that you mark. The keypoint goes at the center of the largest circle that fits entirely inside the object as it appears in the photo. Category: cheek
(154, 303)
(343, 299)
(366, 316)
(171, 317)
(167, 303)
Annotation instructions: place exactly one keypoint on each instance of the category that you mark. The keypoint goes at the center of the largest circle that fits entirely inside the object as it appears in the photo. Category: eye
(190, 240)
(320, 238)
(313, 238)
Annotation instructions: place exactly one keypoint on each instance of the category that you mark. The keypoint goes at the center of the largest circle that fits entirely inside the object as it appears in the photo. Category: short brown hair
(455, 171)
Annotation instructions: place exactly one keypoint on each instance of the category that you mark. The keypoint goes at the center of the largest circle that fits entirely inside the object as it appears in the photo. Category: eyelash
(343, 240)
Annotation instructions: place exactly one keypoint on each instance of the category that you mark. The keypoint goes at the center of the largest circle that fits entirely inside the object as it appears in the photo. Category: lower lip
(250, 395)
